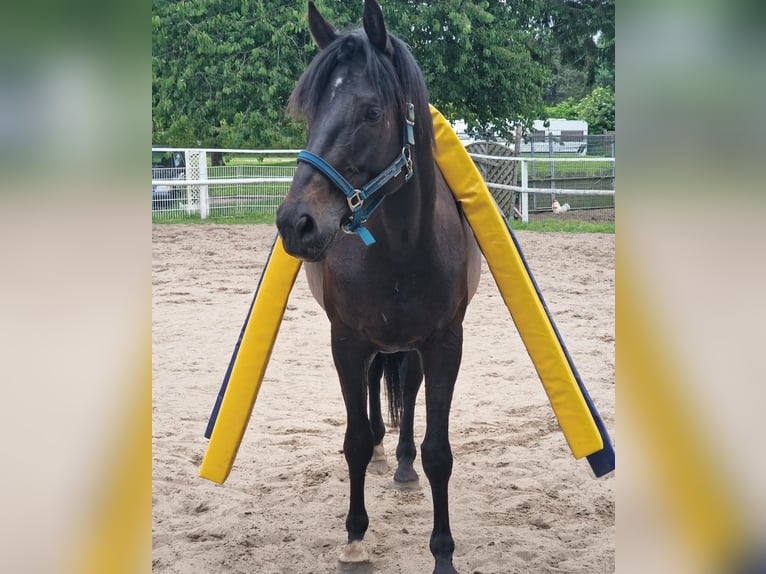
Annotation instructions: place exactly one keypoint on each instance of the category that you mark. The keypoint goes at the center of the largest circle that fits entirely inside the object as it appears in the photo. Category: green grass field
(546, 225)
(571, 226)
(595, 169)
(261, 161)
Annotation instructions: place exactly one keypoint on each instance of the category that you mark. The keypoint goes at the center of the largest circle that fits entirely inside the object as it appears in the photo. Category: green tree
(480, 59)
(222, 70)
(566, 110)
(565, 82)
(597, 109)
(583, 31)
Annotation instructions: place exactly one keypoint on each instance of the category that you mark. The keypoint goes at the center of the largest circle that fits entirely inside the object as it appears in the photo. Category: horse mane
(396, 79)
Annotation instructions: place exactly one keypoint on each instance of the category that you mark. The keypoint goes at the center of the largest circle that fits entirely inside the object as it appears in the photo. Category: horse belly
(393, 329)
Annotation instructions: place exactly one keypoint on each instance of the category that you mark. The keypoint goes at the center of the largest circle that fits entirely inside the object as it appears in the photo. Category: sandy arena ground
(519, 501)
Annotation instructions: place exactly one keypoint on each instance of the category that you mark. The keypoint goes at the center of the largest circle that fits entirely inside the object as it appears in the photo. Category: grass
(563, 226)
(545, 225)
(261, 161)
(250, 189)
(569, 169)
(247, 219)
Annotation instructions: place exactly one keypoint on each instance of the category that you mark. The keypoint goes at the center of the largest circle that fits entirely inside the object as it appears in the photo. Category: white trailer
(559, 136)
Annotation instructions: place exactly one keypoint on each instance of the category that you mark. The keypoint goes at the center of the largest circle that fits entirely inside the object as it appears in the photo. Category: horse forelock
(396, 80)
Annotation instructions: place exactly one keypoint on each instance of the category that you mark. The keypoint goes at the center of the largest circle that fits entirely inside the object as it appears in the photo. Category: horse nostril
(304, 226)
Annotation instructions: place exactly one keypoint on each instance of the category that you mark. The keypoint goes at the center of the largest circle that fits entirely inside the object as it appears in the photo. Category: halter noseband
(357, 197)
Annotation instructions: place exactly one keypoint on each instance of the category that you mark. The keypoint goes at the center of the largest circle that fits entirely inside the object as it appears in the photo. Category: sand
(519, 501)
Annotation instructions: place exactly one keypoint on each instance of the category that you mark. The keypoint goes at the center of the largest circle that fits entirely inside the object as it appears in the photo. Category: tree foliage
(564, 110)
(222, 70)
(597, 108)
(480, 59)
(583, 31)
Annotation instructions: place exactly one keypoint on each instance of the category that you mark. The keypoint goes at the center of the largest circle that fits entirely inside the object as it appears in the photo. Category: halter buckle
(409, 120)
(356, 200)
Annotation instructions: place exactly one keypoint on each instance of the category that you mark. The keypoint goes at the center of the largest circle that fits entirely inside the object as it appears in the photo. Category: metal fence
(574, 184)
(567, 142)
(255, 181)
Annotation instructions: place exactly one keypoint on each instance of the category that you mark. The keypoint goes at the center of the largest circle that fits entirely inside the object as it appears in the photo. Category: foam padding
(576, 414)
(248, 364)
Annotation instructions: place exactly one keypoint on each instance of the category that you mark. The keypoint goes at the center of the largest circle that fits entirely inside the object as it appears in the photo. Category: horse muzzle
(305, 235)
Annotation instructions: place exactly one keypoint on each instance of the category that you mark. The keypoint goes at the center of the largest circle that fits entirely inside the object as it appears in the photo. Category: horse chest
(395, 311)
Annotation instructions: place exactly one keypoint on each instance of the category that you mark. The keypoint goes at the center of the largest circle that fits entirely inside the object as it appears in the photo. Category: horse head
(354, 99)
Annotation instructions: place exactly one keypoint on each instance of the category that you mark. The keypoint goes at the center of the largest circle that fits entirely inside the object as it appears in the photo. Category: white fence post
(193, 163)
(204, 203)
(524, 194)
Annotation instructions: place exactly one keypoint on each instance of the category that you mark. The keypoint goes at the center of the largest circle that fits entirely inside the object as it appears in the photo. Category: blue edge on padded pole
(601, 462)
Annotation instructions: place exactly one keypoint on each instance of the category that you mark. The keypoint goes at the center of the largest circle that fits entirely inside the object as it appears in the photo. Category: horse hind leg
(441, 361)
(405, 369)
(378, 464)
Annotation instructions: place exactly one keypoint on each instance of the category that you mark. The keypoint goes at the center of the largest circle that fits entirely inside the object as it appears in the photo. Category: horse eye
(373, 114)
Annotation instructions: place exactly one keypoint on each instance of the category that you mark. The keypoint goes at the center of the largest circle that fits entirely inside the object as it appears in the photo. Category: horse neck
(407, 215)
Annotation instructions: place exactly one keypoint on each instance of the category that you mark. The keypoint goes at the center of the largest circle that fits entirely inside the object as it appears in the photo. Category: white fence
(248, 187)
(201, 190)
(521, 208)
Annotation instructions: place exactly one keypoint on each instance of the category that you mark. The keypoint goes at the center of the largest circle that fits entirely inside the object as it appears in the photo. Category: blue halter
(361, 208)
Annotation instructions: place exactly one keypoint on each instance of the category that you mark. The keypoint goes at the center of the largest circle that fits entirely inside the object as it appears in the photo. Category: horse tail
(394, 368)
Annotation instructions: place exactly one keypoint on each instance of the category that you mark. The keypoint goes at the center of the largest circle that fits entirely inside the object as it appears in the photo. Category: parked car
(167, 165)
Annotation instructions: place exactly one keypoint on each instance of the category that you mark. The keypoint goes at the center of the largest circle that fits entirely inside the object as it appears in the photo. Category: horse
(387, 254)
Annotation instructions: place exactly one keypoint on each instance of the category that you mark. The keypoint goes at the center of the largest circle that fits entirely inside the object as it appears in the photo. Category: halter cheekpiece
(357, 199)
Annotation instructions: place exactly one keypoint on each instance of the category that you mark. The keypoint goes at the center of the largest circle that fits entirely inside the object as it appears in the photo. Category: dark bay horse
(393, 276)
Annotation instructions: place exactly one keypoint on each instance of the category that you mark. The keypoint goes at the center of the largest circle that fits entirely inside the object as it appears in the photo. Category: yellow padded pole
(250, 363)
(517, 290)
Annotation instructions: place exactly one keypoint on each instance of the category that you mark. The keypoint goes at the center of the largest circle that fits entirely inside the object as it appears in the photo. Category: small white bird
(558, 209)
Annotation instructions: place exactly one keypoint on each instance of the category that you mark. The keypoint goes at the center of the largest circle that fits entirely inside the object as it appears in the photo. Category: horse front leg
(352, 360)
(441, 361)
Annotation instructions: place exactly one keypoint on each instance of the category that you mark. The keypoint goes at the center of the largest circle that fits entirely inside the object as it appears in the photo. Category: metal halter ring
(355, 201)
(407, 154)
(347, 225)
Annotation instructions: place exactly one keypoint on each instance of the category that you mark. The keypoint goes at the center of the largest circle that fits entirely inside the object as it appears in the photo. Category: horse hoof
(354, 559)
(378, 453)
(408, 485)
(407, 476)
(354, 568)
(379, 467)
(444, 567)
(378, 463)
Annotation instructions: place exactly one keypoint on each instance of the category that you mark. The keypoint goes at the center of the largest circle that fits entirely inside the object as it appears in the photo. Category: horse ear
(375, 27)
(321, 30)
